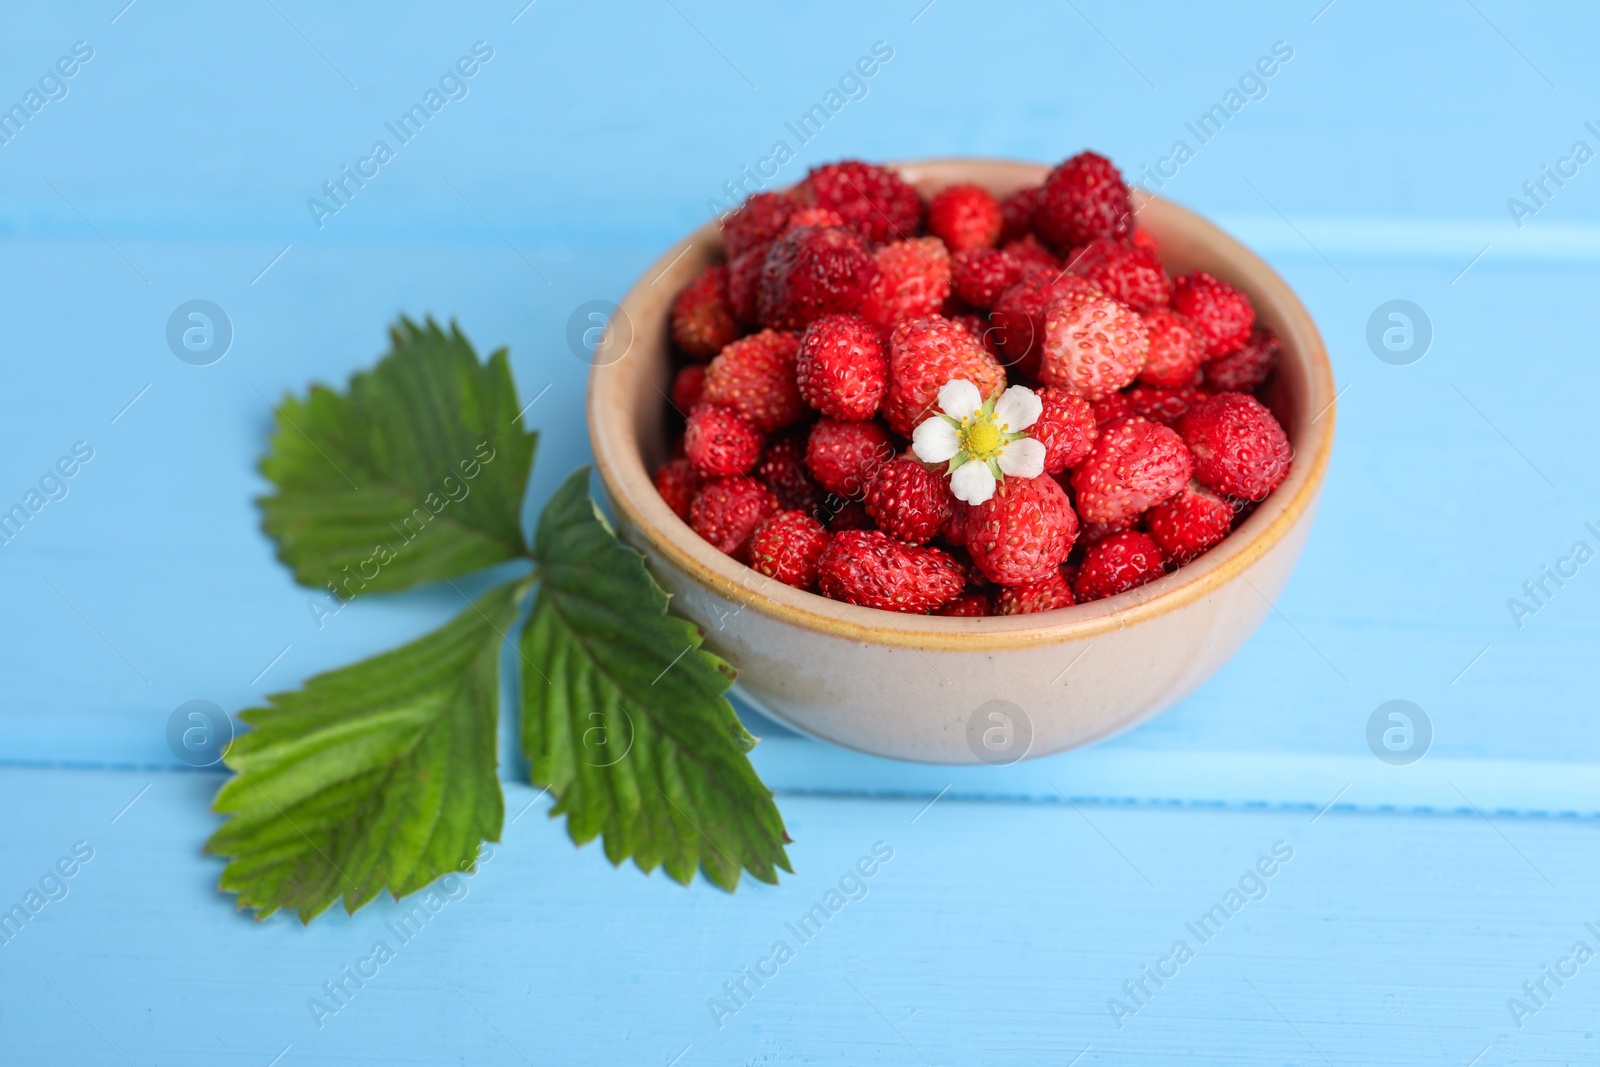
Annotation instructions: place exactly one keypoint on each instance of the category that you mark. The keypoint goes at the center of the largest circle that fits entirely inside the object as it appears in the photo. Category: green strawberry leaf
(415, 473)
(624, 716)
(379, 775)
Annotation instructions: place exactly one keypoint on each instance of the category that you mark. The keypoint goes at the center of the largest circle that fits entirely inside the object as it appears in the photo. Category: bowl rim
(620, 461)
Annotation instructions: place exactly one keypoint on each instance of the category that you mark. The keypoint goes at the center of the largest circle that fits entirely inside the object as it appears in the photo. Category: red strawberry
(1222, 313)
(1119, 563)
(1163, 404)
(980, 275)
(926, 353)
(978, 326)
(720, 441)
(757, 223)
(873, 201)
(688, 388)
(908, 501)
(1066, 427)
(844, 456)
(913, 280)
(678, 482)
(872, 569)
(1176, 349)
(812, 216)
(1245, 370)
(1092, 533)
(755, 376)
(1023, 532)
(744, 282)
(1239, 448)
(1190, 523)
(1128, 275)
(1135, 465)
(1083, 198)
(1092, 345)
(965, 216)
(786, 546)
(1141, 239)
(728, 510)
(782, 468)
(1017, 212)
(966, 606)
(1112, 408)
(812, 272)
(702, 319)
(1032, 254)
(842, 368)
(1046, 594)
(1019, 315)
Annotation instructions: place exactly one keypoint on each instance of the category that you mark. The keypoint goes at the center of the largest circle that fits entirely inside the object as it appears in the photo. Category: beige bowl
(944, 690)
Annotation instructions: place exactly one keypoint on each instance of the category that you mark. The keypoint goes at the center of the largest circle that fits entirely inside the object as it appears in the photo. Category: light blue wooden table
(1023, 911)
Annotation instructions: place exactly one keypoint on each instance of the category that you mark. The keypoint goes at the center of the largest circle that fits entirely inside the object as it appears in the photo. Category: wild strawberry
(1245, 370)
(1046, 594)
(1112, 408)
(978, 326)
(908, 501)
(1222, 313)
(844, 456)
(1141, 239)
(1092, 345)
(873, 201)
(913, 280)
(744, 282)
(926, 353)
(757, 223)
(842, 368)
(1121, 562)
(1176, 349)
(980, 275)
(786, 546)
(728, 510)
(965, 216)
(755, 376)
(1083, 198)
(966, 606)
(678, 482)
(1016, 211)
(1033, 255)
(1128, 275)
(1135, 465)
(1019, 315)
(1163, 404)
(812, 272)
(1023, 532)
(782, 468)
(1066, 427)
(1189, 523)
(1239, 448)
(702, 318)
(688, 388)
(872, 569)
(719, 441)
(812, 216)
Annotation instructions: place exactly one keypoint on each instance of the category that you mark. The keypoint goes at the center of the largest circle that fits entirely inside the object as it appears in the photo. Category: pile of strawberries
(845, 304)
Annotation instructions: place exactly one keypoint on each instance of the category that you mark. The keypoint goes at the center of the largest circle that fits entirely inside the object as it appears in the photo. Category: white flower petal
(959, 398)
(972, 482)
(1018, 408)
(935, 441)
(1022, 458)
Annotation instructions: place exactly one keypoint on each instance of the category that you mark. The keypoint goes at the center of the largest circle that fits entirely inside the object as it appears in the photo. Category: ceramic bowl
(948, 690)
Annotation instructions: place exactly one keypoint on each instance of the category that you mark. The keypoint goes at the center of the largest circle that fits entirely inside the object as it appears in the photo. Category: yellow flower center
(980, 438)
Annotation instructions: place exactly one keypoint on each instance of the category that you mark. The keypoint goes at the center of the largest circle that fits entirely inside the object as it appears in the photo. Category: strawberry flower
(982, 440)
